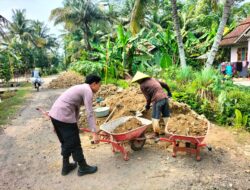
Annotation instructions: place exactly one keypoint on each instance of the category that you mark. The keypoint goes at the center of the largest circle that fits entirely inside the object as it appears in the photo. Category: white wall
(233, 57)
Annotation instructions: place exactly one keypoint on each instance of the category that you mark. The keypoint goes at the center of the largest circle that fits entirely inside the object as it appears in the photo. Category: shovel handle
(110, 115)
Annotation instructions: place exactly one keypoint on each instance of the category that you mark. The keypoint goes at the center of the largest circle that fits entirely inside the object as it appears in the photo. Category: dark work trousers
(68, 135)
(161, 107)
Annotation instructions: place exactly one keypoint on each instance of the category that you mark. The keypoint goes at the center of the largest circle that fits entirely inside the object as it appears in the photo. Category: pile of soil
(127, 102)
(179, 108)
(187, 125)
(104, 92)
(183, 120)
(107, 90)
(66, 79)
(129, 125)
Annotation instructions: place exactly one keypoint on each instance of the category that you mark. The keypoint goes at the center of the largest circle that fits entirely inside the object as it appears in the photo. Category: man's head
(94, 82)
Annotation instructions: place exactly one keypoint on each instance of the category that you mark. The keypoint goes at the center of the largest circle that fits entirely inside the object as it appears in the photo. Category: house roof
(238, 34)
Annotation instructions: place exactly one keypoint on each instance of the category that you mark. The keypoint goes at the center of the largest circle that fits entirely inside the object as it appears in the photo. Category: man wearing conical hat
(152, 89)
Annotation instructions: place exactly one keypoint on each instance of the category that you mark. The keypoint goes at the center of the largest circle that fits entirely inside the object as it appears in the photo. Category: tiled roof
(232, 37)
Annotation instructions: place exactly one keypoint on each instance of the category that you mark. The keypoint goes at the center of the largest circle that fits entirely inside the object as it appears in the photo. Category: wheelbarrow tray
(197, 141)
(129, 135)
(193, 139)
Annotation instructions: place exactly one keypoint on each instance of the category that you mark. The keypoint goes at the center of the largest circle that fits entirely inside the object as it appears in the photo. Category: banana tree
(121, 42)
(9, 63)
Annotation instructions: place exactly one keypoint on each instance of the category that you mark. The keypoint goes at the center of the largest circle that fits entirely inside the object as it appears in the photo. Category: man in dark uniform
(64, 116)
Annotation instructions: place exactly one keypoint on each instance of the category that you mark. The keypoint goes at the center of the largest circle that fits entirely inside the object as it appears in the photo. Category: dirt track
(30, 159)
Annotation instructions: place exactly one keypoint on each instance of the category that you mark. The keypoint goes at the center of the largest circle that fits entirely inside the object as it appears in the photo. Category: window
(242, 54)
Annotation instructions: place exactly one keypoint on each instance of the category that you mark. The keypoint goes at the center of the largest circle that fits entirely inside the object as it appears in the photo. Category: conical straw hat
(139, 76)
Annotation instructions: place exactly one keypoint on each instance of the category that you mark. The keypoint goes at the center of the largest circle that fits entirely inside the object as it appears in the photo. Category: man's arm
(147, 96)
(165, 86)
(88, 99)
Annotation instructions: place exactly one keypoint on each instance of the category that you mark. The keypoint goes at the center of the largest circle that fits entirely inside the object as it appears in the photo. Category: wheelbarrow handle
(85, 130)
(163, 139)
(88, 131)
(93, 142)
(45, 113)
(102, 140)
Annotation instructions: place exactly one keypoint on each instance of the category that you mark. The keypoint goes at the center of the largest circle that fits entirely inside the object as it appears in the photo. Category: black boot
(84, 168)
(67, 167)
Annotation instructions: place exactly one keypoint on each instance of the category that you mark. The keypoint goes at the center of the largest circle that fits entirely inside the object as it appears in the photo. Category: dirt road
(30, 159)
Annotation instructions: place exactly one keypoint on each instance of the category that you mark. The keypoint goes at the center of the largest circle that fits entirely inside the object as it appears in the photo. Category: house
(239, 42)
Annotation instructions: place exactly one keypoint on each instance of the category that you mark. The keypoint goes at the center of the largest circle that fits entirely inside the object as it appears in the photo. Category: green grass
(9, 107)
(119, 82)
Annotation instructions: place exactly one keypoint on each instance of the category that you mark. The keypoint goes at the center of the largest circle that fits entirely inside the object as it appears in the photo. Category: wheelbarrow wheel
(138, 144)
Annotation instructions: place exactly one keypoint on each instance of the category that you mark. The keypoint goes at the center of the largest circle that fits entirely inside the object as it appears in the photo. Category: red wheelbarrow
(135, 137)
(193, 144)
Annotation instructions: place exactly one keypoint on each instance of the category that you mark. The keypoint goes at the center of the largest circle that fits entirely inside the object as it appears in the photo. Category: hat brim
(139, 76)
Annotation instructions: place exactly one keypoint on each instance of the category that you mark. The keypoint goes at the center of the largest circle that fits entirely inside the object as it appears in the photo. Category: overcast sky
(38, 10)
(35, 10)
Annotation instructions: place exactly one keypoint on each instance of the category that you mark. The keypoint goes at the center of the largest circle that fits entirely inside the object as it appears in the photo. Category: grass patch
(10, 106)
(119, 82)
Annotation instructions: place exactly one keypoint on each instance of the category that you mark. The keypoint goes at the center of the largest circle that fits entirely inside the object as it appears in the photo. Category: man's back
(35, 74)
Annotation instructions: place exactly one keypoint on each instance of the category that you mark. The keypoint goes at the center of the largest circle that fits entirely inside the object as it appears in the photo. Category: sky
(38, 10)
(35, 10)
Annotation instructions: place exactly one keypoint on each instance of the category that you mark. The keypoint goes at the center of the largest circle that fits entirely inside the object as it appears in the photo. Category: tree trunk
(178, 34)
(136, 16)
(86, 36)
(217, 39)
(86, 28)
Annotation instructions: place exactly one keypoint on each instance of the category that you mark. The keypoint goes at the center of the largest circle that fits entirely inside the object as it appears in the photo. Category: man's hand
(95, 138)
(147, 107)
(169, 94)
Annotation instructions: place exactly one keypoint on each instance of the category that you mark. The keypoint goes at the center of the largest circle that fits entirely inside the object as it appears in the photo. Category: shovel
(139, 113)
(119, 105)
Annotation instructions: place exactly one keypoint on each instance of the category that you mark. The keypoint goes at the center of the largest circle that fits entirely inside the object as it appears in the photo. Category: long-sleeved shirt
(66, 108)
(152, 90)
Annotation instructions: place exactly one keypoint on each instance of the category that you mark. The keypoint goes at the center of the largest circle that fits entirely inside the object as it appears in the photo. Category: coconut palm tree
(40, 36)
(78, 14)
(178, 34)
(226, 11)
(3, 24)
(137, 16)
(19, 26)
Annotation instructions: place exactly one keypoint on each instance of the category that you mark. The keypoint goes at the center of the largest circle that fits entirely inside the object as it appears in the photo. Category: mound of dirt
(179, 108)
(127, 102)
(104, 92)
(187, 125)
(183, 120)
(107, 90)
(66, 79)
(129, 125)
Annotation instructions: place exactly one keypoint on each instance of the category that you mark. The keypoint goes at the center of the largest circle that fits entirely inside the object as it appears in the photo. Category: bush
(219, 100)
(119, 82)
(87, 67)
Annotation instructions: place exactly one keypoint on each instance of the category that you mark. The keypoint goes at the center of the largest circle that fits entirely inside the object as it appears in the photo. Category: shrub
(87, 67)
